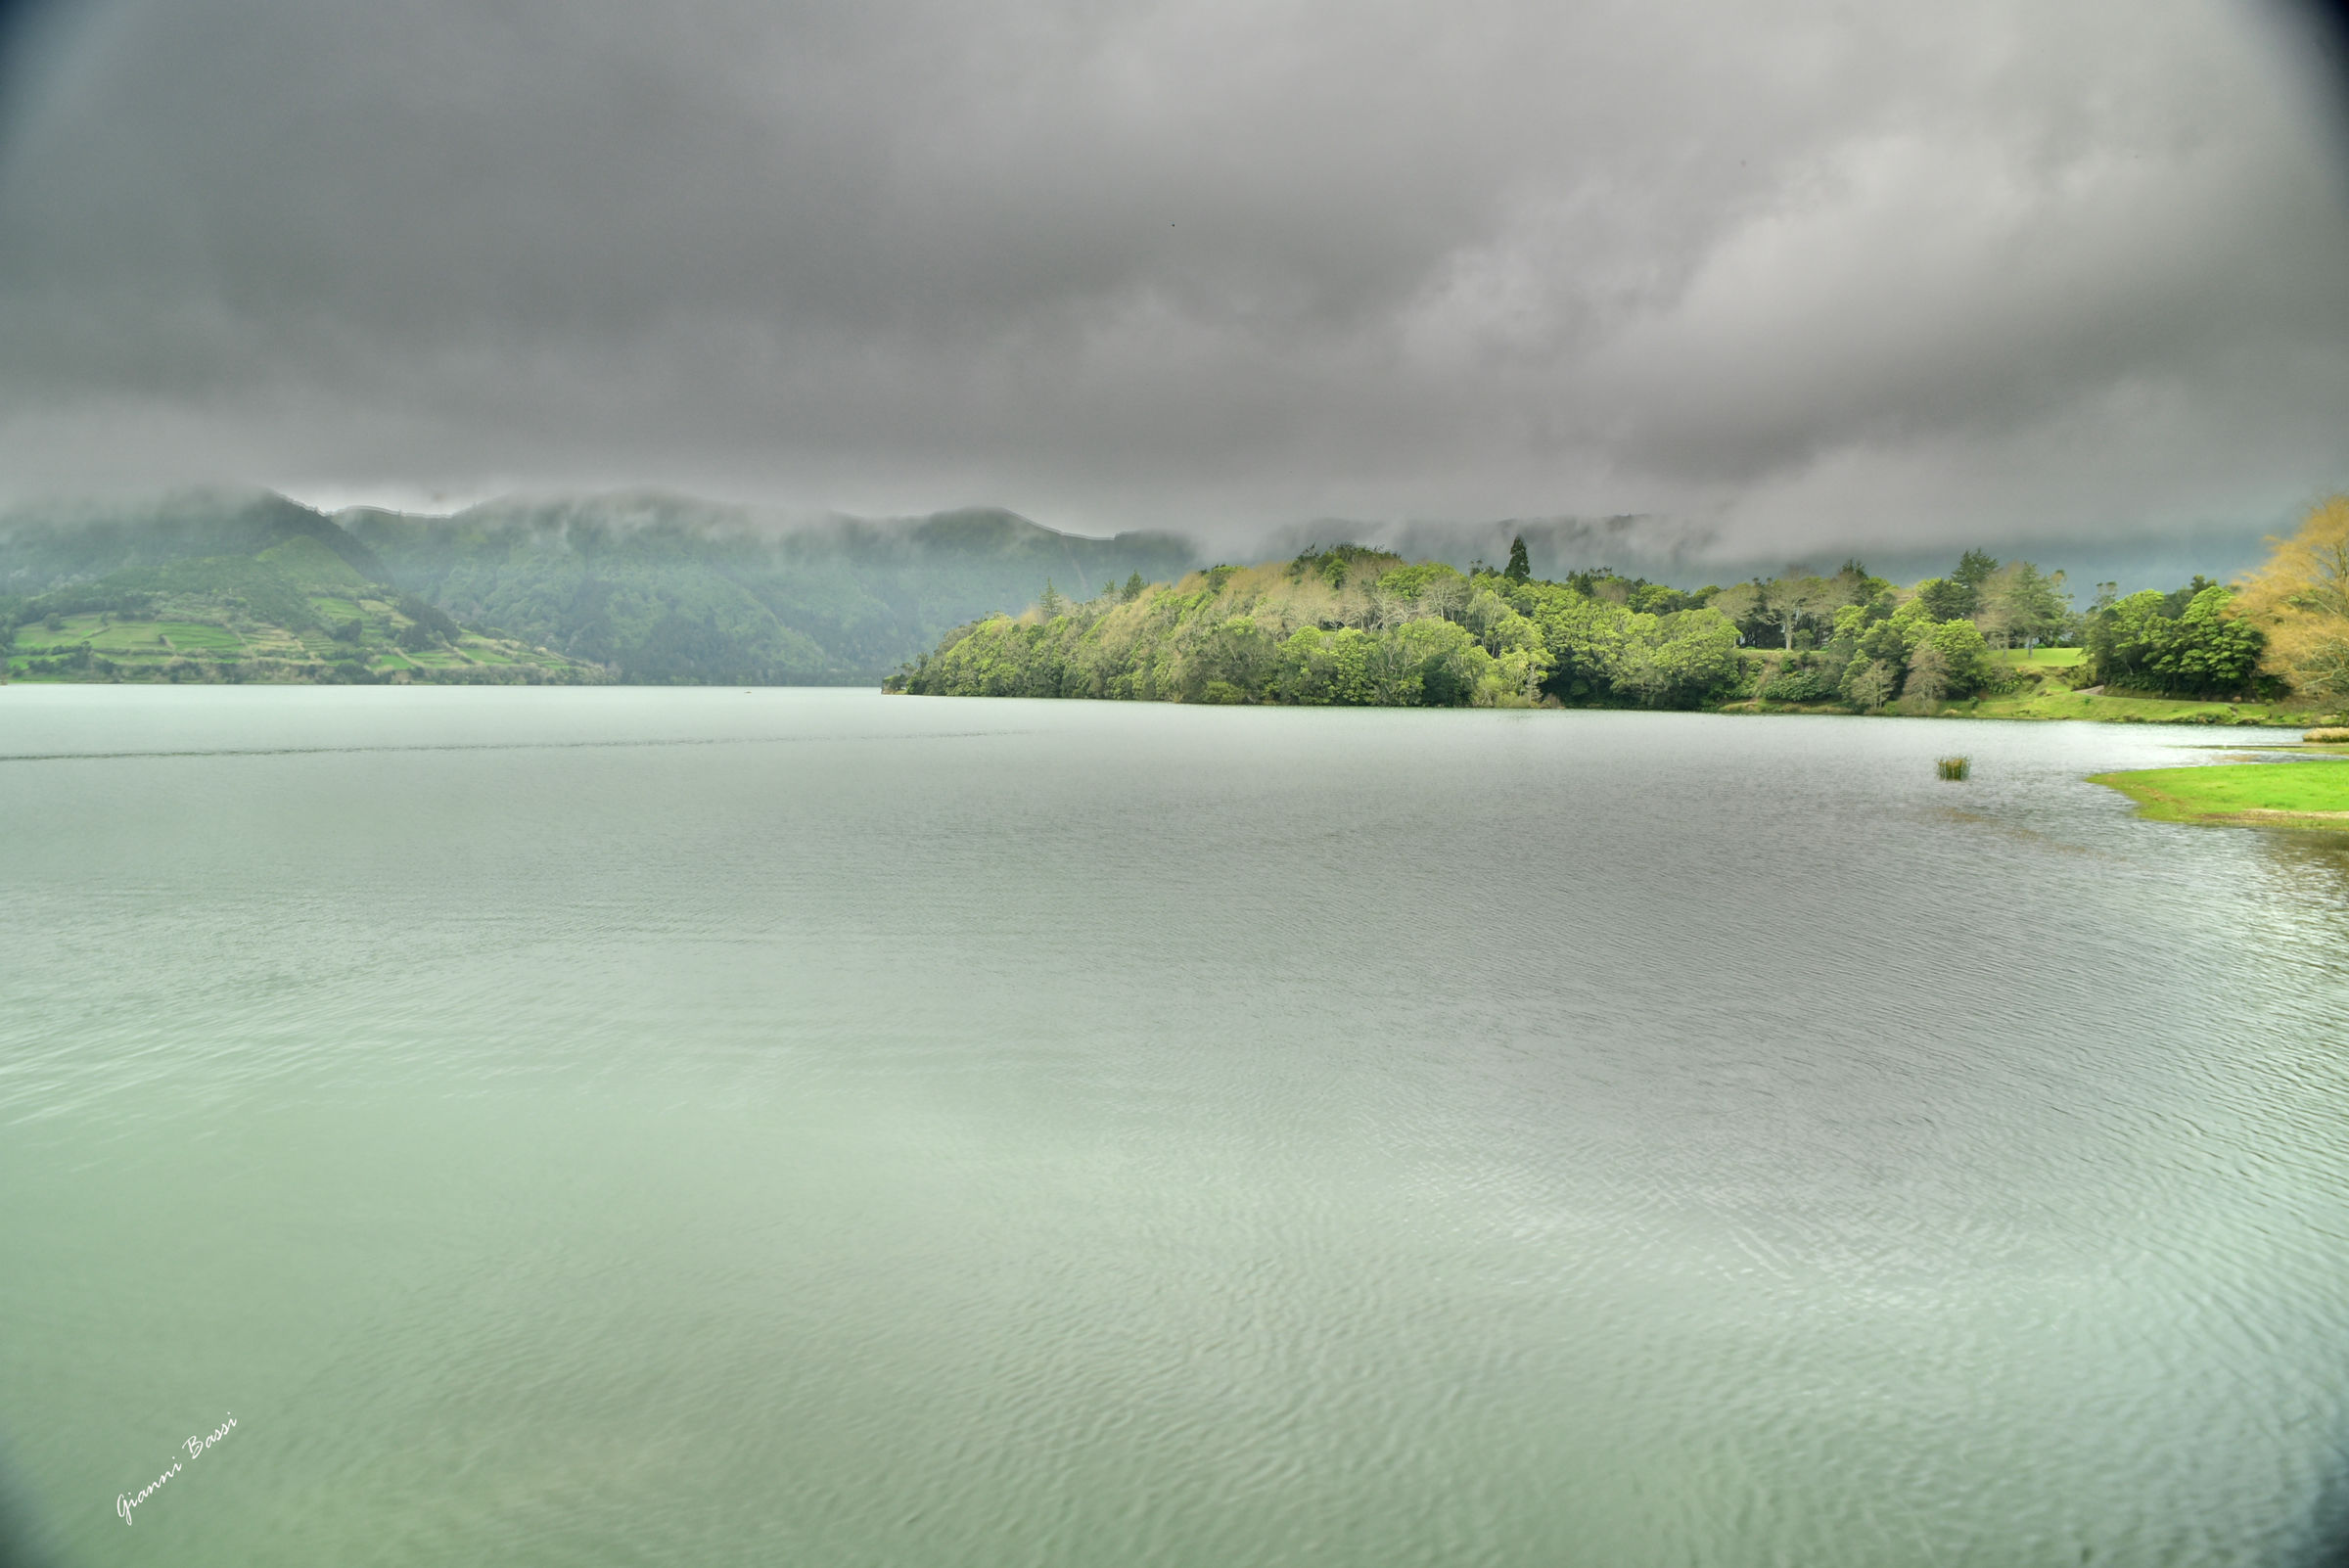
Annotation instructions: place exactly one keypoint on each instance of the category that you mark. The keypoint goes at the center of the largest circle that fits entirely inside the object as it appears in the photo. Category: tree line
(1352, 625)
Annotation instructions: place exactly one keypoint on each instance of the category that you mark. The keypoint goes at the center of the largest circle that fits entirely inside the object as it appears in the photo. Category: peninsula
(1354, 625)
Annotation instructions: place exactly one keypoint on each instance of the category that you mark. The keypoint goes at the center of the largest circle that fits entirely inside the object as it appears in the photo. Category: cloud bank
(1787, 272)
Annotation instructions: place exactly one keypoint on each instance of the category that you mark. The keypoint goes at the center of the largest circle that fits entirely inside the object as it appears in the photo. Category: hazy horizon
(1660, 549)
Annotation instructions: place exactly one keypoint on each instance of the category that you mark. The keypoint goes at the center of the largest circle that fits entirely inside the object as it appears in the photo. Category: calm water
(809, 1128)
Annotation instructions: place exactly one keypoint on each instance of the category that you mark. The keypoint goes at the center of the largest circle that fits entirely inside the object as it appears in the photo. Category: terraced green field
(94, 646)
(189, 637)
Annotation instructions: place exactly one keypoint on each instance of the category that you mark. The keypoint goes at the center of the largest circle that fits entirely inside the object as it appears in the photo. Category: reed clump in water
(1956, 768)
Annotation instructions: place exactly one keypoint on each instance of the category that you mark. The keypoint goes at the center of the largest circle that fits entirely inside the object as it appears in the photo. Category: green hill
(641, 588)
(45, 547)
(263, 590)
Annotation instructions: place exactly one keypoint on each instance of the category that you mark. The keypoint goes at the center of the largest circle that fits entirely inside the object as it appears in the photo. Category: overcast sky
(1790, 269)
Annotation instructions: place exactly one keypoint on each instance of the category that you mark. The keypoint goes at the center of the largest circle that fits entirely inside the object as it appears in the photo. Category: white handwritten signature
(124, 1502)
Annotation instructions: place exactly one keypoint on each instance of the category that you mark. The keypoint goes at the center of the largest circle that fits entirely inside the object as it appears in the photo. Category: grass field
(189, 637)
(116, 639)
(2054, 700)
(71, 632)
(295, 610)
(177, 648)
(2310, 794)
(2043, 658)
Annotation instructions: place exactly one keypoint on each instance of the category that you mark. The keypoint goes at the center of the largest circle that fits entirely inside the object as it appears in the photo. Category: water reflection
(2314, 865)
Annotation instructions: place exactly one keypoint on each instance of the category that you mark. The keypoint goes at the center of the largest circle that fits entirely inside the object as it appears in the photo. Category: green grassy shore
(2310, 794)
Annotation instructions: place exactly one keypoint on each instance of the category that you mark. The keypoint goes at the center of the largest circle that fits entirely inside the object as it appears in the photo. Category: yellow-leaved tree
(2301, 600)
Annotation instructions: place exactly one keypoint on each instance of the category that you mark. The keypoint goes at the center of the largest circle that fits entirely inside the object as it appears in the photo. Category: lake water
(715, 1128)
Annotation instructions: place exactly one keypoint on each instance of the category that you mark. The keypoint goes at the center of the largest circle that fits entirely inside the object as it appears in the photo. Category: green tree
(1870, 682)
(1448, 662)
(1965, 657)
(1945, 598)
(2123, 637)
(1789, 602)
(1326, 667)
(2150, 641)
(1238, 654)
(1742, 604)
(2018, 603)
(1975, 568)
(1520, 566)
(2211, 653)
(1928, 679)
(1679, 660)
(1577, 635)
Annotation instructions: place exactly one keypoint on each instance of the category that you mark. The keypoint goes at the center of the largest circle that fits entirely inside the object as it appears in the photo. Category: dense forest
(1861, 642)
(1350, 624)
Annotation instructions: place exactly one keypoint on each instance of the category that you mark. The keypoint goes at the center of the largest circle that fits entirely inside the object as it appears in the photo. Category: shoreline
(2096, 709)
(2309, 792)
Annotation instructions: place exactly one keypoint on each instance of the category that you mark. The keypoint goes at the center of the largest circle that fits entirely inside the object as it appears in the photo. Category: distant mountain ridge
(650, 587)
(655, 587)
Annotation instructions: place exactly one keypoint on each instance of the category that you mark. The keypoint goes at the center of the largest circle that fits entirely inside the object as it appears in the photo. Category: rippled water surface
(812, 1127)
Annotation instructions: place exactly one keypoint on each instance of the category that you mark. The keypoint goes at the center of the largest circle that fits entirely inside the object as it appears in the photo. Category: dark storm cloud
(1793, 271)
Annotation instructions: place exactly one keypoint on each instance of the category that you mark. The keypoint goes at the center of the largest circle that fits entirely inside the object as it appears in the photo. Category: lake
(710, 1126)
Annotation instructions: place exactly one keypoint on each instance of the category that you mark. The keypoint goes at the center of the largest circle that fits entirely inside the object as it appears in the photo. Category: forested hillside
(642, 588)
(263, 591)
(661, 588)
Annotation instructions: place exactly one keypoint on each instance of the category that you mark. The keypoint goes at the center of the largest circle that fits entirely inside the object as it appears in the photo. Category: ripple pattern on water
(609, 1126)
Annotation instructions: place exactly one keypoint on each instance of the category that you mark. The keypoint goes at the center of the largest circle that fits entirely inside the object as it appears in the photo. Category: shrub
(1803, 686)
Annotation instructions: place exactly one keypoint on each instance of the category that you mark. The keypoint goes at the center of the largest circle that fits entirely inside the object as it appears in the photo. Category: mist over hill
(54, 544)
(652, 588)
(667, 588)
(1687, 555)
